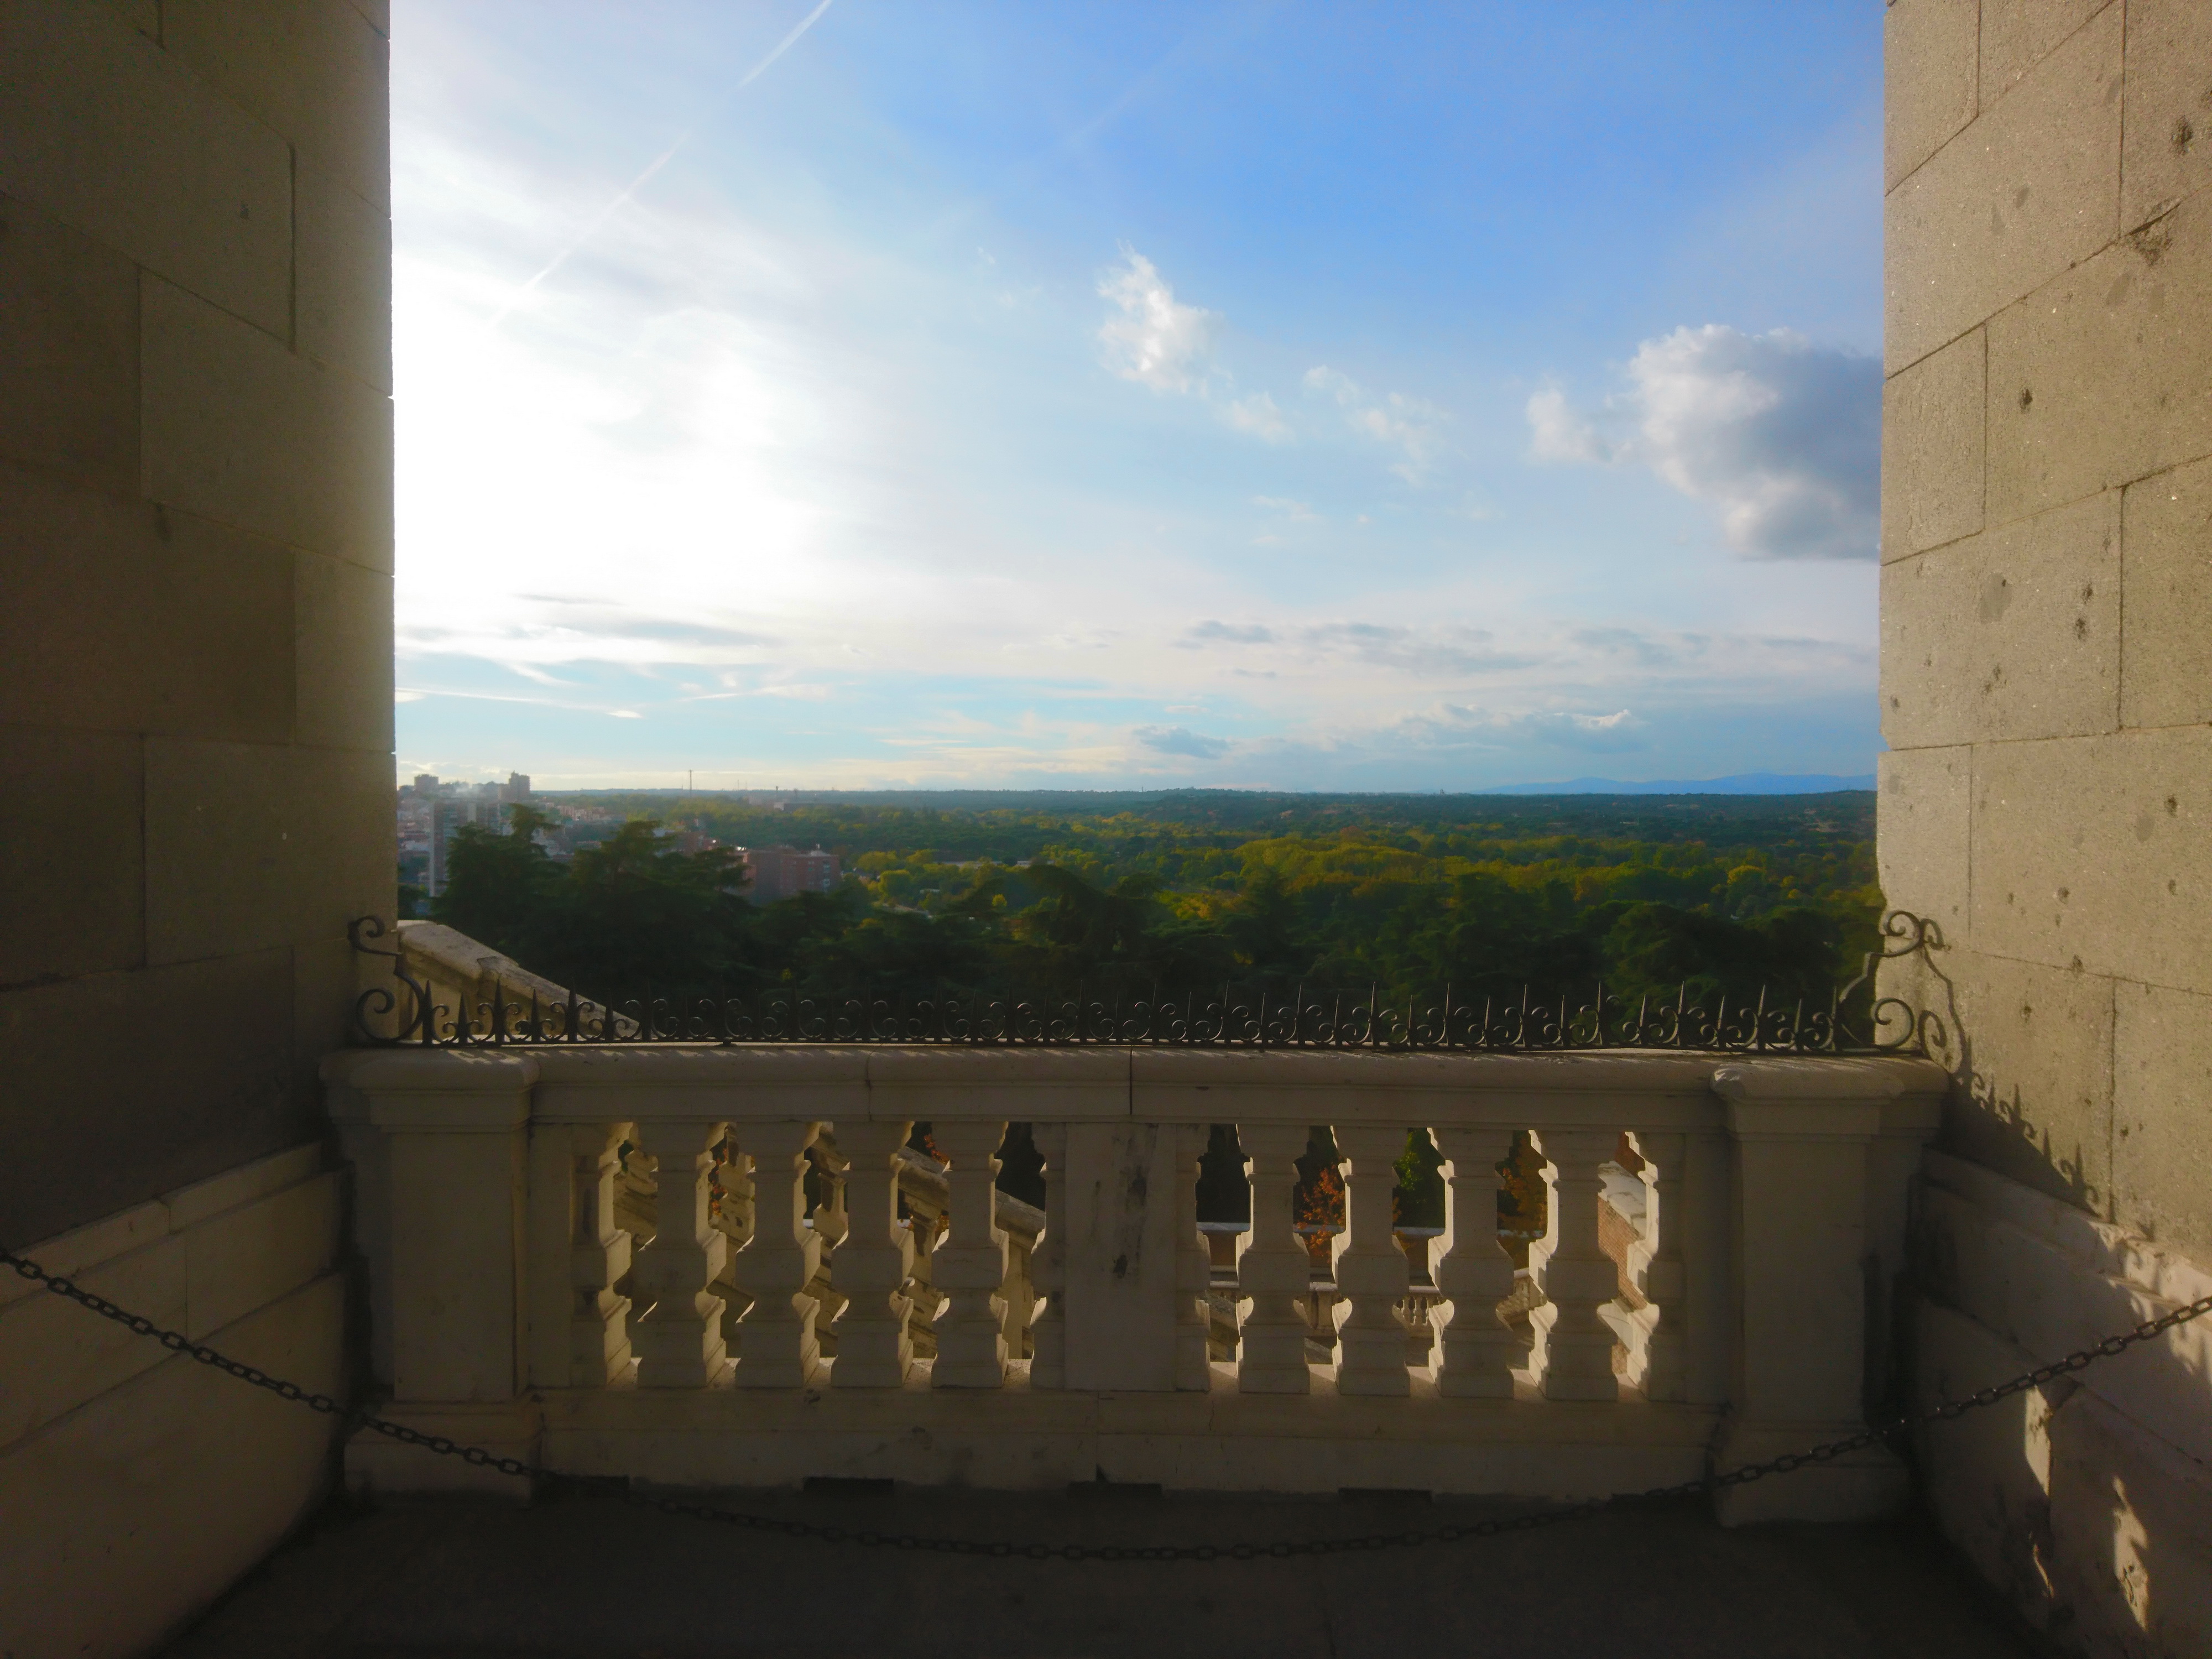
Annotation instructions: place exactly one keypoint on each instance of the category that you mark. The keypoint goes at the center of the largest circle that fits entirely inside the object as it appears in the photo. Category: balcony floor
(593, 1576)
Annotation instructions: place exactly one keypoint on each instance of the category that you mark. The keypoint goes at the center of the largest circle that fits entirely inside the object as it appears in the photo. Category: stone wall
(196, 515)
(2046, 692)
(135, 1483)
(2046, 676)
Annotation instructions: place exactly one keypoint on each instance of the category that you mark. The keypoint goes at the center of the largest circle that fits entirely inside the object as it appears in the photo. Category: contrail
(636, 184)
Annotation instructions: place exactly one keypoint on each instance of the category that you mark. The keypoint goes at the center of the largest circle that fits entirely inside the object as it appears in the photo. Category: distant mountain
(1743, 783)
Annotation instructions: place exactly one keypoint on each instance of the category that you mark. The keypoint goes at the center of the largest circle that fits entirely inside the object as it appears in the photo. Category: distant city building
(516, 789)
(780, 872)
(449, 817)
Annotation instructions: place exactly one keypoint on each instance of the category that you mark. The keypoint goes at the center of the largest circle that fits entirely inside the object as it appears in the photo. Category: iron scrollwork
(1217, 1017)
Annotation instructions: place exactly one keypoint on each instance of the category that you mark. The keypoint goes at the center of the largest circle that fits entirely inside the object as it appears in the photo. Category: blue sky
(1301, 397)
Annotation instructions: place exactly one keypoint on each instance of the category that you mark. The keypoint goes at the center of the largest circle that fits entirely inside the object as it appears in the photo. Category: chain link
(1489, 1527)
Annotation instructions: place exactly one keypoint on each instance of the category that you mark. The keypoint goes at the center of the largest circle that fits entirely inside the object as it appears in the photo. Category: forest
(1117, 894)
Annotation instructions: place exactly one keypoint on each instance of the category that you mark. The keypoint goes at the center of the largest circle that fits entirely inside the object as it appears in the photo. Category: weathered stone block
(126, 617)
(2038, 1105)
(2090, 850)
(2165, 569)
(343, 862)
(2014, 633)
(251, 847)
(2168, 150)
(1928, 46)
(110, 134)
(69, 355)
(176, 1484)
(72, 884)
(2029, 189)
(342, 615)
(344, 277)
(248, 1257)
(315, 70)
(1923, 844)
(221, 820)
(2018, 34)
(2105, 375)
(78, 1087)
(143, 15)
(54, 1356)
(327, 978)
(240, 430)
(1932, 450)
(2162, 1131)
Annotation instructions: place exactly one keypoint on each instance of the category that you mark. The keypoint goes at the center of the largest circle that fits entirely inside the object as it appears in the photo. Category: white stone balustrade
(512, 1309)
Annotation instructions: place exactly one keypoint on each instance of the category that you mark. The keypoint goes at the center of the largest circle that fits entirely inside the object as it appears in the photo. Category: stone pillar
(1475, 1273)
(580, 1332)
(454, 1128)
(1372, 1274)
(1049, 1263)
(872, 1263)
(970, 1264)
(679, 1339)
(777, 1345)
(1275, 1273)
(1802, 1132)
(1573, 1355)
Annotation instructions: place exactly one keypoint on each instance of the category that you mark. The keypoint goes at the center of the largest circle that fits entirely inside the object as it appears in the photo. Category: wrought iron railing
(1854, 1020)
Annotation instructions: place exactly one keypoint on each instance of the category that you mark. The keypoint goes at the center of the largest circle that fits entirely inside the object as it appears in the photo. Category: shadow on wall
(2030, 1053)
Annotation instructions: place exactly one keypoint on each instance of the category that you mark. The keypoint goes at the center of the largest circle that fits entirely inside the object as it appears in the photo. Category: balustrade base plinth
(1869, 1485)
(1017, 1437)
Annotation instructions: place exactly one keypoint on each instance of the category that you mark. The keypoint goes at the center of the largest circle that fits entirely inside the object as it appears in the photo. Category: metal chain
(1490, 1527)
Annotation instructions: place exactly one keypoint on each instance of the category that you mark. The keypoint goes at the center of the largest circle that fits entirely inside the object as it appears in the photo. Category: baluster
(831, 1220)
(1475, 1274)
(599, 1329)
(970, 1263)
(1574, 1344)
(579, 1328)
(679, 1339)
(1372, 1274)
(1275, 1274)
(776, 1346)
(872, 1262)
(1193, 1263)
(1656, 1268)
(1049, 1264)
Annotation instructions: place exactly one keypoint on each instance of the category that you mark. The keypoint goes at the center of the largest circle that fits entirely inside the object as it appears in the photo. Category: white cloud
(1558, 434)
(1284, 505)
(1157, 339)
(1783, 438)
(1258, 415)
(1181, 740)
(1414, 426)
(1449, 725)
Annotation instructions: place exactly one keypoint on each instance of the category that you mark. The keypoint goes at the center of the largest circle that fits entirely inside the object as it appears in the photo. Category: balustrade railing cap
(1839, 1077)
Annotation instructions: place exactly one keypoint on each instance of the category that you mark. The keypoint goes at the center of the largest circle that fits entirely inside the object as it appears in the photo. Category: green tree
(502, 888)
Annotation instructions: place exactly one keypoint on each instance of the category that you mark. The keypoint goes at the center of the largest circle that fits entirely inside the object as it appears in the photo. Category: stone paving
(587, 1576)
